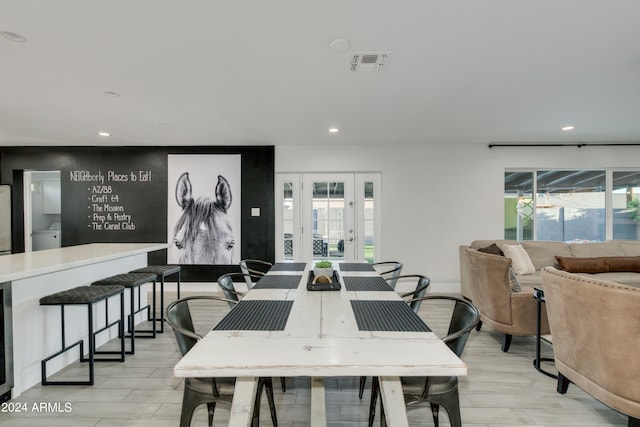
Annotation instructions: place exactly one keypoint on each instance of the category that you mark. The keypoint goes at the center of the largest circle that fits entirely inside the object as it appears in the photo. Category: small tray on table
(334, 285)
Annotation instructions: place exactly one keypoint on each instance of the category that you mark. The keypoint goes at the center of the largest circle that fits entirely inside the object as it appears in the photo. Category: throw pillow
(492, 249)
(599, 264)
(513, 280)
(520, 260)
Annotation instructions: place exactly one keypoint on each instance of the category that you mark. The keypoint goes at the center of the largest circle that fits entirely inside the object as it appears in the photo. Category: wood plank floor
(502, 389)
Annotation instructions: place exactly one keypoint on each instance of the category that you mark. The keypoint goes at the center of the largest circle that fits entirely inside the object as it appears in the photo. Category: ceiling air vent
(369, 61)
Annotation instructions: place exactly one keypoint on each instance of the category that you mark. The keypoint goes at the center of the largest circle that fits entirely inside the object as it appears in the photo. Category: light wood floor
(501, 389)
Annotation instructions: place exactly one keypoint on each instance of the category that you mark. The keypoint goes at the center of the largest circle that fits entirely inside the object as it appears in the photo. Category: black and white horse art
(203, 233)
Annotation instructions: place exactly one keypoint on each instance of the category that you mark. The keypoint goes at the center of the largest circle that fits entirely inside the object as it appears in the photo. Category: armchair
(595, 327)
(503, 309)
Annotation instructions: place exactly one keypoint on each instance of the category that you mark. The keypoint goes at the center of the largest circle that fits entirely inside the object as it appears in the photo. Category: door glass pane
(328, 220)
(369, 222)
(287, 219)
(626, 205)
(570, 205)
(518, 206)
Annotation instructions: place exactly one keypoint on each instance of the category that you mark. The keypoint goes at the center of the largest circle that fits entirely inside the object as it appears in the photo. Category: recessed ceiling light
(104, 134)
(339, 45)
(14, 37)
(568, 127)
(334, 130)
(110, 93)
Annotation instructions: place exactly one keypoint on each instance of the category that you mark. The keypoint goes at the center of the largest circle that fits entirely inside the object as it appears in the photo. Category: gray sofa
(543, 253)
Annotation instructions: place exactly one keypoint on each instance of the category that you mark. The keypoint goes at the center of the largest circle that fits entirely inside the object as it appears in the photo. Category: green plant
(634, 209)
(323, 264)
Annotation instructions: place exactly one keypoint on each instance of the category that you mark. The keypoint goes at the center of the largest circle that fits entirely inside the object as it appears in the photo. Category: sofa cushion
(531, 280)
(543, 253)
(492, 249)
(596, 249)
(630, 247)
(513, 280)
(600, 264)
(520, 260)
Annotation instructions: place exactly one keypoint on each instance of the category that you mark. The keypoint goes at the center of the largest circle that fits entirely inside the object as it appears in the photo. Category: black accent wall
(133, 181)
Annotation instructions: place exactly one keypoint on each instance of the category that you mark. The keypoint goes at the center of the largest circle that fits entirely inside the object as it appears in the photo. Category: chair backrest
(226, 283)
(254, 267)
(179, 318)
(595, 326)
(389, 270)
(464, 318)
(422, 284)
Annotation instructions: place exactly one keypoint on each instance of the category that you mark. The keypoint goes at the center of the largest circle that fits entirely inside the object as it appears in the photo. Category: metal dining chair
(254, 267)
(225, 282)
(437, 391)
(389, 270)
(414, 300)
(198, 391)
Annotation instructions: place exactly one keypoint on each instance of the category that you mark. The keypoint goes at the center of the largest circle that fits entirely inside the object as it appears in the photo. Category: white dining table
(321, 338)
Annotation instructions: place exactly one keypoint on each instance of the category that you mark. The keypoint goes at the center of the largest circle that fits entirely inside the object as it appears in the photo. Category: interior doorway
(42, 210)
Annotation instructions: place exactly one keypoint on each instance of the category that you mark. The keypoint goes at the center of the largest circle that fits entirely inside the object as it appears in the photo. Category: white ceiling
(236, 72)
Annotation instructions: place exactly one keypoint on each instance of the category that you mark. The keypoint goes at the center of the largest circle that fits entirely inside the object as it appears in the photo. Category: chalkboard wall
(119, 194)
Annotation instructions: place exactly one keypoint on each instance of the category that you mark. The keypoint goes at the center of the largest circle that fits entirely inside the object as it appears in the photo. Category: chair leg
(435, 413)
(272, 403)
(479, 325)
(211, 407)
(283, 384)
(190, 401)
(363, 381)
(563, 383)
(506, 342)
(451, 403)
(375, 391)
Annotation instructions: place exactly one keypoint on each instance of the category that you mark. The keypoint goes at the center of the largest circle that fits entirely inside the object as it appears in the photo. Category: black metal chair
(389, 270)
(225, 282)
(254, 267)
(414, 301)
(438, 391)
(198, 391)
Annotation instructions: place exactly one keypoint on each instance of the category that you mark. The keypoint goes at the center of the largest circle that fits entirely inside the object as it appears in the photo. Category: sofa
(543, 254)
(595, 326)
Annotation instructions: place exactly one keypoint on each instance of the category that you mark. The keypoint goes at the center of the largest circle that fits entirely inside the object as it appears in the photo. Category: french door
(328, 216)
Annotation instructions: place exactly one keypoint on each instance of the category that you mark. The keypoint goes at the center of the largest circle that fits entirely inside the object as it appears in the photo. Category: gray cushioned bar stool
(132, 281)
(86, 295)
(161, 272)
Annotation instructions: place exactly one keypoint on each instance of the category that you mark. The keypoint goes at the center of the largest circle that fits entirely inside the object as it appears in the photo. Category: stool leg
(132, 323)
(92, 343)
(161, 305)
(121, 327)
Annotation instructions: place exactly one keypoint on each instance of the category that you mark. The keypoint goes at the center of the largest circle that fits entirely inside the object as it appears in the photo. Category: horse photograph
(203, 229)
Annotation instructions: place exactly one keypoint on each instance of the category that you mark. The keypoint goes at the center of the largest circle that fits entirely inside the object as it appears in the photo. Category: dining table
(282, 328)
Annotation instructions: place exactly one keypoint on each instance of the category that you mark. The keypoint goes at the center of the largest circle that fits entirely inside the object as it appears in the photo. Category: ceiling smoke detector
(369, 61)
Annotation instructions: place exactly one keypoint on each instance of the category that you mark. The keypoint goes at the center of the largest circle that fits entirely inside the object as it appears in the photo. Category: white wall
(436, 197)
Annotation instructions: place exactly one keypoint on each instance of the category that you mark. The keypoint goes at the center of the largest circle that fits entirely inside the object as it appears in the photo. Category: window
(571, 205)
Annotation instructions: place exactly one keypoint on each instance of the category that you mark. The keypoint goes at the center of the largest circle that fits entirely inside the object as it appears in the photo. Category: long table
(321, 337)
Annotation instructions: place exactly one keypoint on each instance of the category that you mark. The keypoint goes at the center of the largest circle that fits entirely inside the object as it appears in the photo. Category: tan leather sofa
(596, 338)
(543, 253)
(508, 312)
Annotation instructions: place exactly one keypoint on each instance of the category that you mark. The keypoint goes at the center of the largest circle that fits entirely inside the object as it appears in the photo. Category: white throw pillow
(520, 260)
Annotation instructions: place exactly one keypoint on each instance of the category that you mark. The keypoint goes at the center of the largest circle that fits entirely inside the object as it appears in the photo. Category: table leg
(392, 397)
(243, 399)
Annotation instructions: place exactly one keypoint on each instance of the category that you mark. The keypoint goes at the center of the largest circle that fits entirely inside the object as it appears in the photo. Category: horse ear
(183, 191)
(223, 193)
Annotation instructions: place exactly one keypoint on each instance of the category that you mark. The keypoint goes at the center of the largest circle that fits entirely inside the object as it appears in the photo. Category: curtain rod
(579, 145)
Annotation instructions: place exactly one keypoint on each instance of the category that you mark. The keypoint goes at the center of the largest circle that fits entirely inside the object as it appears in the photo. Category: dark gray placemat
(356, 266)
(278, 281)
(256, 315)
(373, 283)
(288, 266)
(387, 316)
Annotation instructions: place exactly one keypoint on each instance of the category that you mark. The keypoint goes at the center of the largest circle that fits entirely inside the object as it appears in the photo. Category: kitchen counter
(33, 275)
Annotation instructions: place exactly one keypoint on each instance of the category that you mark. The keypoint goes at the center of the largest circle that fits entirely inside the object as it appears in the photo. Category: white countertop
(30, 264)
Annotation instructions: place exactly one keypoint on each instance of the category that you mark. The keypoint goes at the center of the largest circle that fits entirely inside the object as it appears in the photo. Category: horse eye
(230, 245)
(178, 244)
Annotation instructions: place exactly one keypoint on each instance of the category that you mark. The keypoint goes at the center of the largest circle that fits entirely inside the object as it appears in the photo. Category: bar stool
(131, 281)
(161, 272)
(88, 296)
